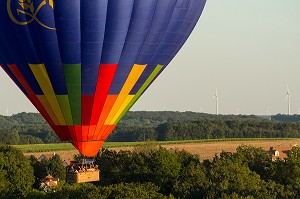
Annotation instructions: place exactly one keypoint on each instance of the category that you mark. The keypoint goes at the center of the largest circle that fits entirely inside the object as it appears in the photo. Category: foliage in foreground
(90, 191)
(53, 166)
(154, 172)
(16, 174)
(247, 173)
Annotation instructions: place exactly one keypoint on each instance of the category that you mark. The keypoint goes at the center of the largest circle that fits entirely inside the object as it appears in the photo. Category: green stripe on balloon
(141, 90)
(72, 73)
(64, 104)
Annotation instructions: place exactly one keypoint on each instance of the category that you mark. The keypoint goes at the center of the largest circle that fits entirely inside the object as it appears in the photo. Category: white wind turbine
(288, 97)
(216, 97)
(238, 110)
(6, 110)
(268, 111)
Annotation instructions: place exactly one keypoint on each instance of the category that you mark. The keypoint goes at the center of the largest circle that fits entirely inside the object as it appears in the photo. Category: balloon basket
(82, 171)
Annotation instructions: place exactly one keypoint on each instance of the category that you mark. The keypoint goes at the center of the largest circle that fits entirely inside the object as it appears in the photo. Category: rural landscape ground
(206, 150)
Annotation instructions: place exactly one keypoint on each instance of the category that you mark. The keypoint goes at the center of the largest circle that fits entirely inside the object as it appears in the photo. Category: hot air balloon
(84, 63)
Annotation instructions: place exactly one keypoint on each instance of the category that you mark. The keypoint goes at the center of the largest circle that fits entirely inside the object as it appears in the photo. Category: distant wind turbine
(216, 97)
(268, 111)
(288, 97)
(238, 110)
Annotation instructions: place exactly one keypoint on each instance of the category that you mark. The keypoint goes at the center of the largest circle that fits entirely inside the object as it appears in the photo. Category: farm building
(279, 152)
(45, 157)
(48, 183)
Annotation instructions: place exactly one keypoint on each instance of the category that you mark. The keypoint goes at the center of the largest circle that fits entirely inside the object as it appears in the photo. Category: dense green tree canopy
(16, 174)
(154, 172)
(31, 128)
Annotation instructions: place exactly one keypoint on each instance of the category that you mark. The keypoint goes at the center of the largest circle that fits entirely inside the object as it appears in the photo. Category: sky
(249, 50)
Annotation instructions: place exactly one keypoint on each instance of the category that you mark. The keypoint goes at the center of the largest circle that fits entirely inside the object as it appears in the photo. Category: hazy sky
(248, 49)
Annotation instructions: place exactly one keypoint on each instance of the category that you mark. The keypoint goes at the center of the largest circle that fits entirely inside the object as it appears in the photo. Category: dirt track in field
(205, 150)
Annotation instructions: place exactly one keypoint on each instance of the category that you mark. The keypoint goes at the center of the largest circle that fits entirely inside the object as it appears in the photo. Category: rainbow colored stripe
(82, 118)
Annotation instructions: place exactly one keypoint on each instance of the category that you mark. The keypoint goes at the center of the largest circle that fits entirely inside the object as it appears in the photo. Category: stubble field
(206, 150)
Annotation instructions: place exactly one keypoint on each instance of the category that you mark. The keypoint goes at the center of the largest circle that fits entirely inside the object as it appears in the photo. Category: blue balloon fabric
(84, 63)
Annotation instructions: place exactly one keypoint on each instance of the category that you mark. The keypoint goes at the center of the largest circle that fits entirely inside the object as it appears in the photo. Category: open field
(31, 148)
(205, 149)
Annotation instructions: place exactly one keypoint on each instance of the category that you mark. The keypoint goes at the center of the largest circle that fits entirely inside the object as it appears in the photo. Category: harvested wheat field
(206, 150)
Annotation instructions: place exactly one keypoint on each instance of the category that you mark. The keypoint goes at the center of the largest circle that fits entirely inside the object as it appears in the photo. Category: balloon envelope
(83, 63)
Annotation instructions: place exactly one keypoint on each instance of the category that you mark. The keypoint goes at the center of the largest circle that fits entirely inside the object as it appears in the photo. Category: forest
(153, 172)
(31, 128)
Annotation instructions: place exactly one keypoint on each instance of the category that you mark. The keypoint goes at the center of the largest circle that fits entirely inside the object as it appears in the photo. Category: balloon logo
(83, 63)
(27, 8)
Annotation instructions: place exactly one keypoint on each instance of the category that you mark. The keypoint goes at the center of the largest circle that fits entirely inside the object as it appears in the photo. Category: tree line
(208, 129)
(154, 172)
(26, 128)
(31, 128)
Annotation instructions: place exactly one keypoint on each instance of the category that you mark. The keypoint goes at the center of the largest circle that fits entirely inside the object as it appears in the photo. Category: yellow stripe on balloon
(122, 108)
(46, 105)
(42, 78)
(133, 76)
(141, 90)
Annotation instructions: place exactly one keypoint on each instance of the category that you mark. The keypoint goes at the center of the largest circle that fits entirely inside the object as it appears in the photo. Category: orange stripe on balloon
(97, 135)
(84, 132)
(48, 108)
(109, 102)
(105, 77)
(132, 78)
(91, 132)
(91, 129)
(90, 148)
(101, 131)
(107, 131)
(33, 98)
(99, 103)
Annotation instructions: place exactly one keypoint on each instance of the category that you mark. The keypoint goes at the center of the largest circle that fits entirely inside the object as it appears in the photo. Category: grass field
(205, 149)
(34, 148)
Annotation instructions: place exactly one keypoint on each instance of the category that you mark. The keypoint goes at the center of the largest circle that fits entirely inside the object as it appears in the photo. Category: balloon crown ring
(29, 11)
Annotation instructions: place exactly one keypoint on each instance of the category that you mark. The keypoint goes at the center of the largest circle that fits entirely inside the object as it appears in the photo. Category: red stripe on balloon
(78, 131)
(65, 135)
(105, 77)
(86, 108)
(33, 98)
(76, 145)
(72, 132)
(109, 102)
